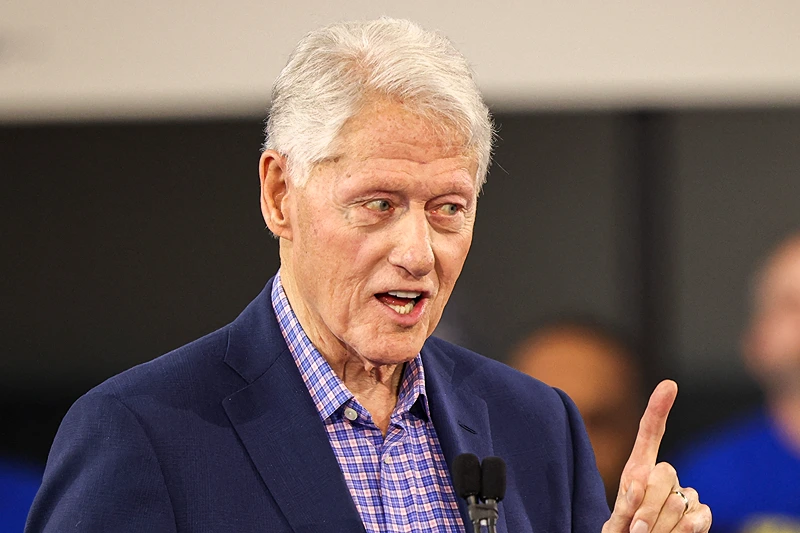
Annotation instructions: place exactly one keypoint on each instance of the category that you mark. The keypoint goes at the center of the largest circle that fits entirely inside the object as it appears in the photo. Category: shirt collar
(328, 392)
(412, 396)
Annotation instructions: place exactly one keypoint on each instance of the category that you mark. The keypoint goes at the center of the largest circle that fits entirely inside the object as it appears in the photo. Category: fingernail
(639, 527)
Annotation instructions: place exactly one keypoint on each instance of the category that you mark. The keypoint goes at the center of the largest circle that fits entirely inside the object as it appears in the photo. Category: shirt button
(350, 414)
(387, 460)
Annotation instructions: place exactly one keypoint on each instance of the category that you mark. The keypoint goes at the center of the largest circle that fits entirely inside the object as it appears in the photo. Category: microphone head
(493, 479)
(467, 475)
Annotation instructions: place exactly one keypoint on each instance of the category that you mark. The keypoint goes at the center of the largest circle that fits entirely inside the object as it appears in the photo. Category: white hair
(333, 70)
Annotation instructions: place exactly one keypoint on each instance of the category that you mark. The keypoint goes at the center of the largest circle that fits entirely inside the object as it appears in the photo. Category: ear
(275, 187)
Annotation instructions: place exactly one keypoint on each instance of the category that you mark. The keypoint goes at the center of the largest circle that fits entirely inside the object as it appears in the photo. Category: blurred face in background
(602, 381)
(772, 344)
(375, 240)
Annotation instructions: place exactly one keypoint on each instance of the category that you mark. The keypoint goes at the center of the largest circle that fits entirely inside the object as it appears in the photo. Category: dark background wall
(124, 240)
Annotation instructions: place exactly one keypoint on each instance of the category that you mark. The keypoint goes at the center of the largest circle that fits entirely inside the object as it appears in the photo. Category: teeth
(403, 309)
(404, 294)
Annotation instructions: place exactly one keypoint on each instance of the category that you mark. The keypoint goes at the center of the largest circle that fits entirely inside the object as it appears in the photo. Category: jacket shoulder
(481, 374)
(181, 377)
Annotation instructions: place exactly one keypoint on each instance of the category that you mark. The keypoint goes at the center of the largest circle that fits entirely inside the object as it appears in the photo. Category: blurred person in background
(762, 449)
(597, 368)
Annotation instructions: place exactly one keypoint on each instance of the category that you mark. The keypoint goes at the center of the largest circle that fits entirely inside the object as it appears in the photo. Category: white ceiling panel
(101, 59)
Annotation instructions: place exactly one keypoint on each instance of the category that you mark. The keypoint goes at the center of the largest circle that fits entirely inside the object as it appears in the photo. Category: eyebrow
(398, 186)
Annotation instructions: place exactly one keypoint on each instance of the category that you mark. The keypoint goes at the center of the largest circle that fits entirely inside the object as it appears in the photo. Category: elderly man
(325, 406)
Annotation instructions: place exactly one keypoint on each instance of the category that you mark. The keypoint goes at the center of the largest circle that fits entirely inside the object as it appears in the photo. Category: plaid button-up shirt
(399, 483)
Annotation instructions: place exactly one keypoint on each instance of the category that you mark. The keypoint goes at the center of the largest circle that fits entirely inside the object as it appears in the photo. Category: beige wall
(110, 58)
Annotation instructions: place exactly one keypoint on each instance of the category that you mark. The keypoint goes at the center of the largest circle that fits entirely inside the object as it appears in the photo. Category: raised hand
(650, 498)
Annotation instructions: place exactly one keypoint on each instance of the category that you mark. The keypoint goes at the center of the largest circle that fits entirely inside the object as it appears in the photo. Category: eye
(378, 205)
(449, 209)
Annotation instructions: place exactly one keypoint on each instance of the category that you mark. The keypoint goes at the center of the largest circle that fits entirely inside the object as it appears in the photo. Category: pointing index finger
(653, 424)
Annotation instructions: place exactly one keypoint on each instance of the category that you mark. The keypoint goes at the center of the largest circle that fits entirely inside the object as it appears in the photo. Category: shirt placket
(396, 492)
(375, 514)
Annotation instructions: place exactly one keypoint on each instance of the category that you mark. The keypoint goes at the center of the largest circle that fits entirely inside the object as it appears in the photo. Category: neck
(374, 386)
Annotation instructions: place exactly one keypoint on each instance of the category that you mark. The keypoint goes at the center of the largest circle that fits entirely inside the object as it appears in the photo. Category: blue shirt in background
(748, 475)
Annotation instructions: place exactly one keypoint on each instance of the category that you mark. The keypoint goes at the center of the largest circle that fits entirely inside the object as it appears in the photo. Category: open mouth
(401, 302)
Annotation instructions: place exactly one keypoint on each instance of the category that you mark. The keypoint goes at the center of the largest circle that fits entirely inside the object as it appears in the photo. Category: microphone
(467, 476)
(475, 482)
(467, 482)
(493, 487)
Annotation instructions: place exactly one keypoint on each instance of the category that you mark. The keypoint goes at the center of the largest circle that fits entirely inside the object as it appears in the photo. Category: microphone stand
(483, 514)
(483, 485)
(491, 522)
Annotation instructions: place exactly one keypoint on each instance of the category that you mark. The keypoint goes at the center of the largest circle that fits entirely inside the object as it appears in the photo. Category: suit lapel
(280, 428)
(460, 417)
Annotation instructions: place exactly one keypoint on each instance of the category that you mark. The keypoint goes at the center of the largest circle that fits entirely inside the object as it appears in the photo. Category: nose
(412, 249)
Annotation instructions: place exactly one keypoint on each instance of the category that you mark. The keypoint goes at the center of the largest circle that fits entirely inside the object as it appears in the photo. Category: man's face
(379, 234)
(773, 344)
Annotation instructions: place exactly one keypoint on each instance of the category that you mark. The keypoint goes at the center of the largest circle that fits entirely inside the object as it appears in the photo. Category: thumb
(628, 501)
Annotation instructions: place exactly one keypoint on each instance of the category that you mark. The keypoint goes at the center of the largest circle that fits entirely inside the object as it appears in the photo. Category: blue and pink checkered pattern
(399, 483)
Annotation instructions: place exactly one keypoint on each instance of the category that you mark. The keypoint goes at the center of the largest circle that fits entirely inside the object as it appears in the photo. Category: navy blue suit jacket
(221, 435)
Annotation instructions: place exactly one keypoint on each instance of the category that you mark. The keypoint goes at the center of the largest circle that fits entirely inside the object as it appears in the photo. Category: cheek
(340, 261)
(321, 257)
(450, 255)
(322, 236)
(451, 252)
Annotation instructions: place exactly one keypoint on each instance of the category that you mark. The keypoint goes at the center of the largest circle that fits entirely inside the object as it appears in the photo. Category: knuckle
(686, 525)
(675, 504)
(705, 512)
(696, 521)
(667, 470)
(618, 520)
(647, 513)
(691, 494)
(700, 524)
(620, 509)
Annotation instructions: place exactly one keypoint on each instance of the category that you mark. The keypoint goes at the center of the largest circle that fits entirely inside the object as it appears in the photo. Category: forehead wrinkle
(400, 150)
(386, 138)
(393, 177)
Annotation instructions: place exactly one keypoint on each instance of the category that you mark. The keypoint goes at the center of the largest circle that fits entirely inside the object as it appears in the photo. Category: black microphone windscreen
(493, 479)
(467, 475)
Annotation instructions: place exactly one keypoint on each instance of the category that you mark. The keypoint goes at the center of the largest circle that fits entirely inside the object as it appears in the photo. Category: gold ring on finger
(684, 498)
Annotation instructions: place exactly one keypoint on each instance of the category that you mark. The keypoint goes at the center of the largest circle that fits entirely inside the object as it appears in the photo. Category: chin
(395, 351)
